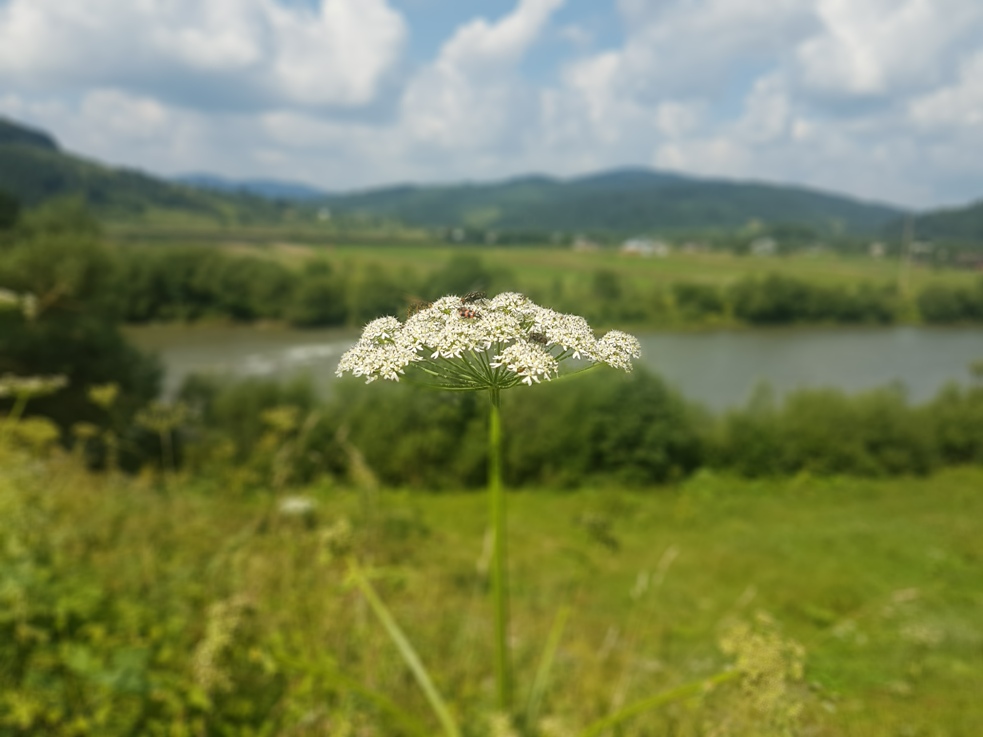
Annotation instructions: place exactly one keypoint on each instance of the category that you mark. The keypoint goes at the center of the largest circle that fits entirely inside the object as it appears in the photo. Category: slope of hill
(33, 168)
(956, 223)
(12, 134)
(631, 199)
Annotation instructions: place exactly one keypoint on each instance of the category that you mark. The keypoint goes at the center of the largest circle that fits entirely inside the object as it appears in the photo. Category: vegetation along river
(717, 369)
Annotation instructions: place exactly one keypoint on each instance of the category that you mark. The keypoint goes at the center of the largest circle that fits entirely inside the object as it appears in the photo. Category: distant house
(693, 247)
(645, 247)
(324, 214)
(763, 246)
(877, 249)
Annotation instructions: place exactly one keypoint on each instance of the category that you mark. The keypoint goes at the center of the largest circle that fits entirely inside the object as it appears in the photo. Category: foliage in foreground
(170, 606)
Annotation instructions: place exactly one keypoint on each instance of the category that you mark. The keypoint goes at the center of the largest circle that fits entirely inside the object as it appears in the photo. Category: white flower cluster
(26, 303)
(478, 343)
(31, 386)
(527, 360)
(378, 353)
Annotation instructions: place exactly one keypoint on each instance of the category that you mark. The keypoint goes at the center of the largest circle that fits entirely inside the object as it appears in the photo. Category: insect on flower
(472, 297)
(469, 313)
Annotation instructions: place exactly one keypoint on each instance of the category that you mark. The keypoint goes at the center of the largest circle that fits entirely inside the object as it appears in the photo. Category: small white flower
(297, 506)
(382, 330)
(31, 386)
(527, 360)
(571, 332)
(617, 349)
(374, 361)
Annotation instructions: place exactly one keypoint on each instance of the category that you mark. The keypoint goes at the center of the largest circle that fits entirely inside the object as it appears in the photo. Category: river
(719, 369)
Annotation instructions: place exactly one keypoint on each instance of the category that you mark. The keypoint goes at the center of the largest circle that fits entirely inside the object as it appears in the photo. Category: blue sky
(881, 99)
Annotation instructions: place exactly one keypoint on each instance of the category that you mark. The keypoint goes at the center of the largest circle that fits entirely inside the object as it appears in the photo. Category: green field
(540, 266)
(414, 250)
(149, 607)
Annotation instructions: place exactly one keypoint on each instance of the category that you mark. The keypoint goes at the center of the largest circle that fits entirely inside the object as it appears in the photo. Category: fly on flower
(514, 342)
(472, 297)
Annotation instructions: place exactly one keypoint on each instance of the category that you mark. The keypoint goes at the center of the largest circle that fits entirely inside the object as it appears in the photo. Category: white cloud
(255, 53)
(472, 97)
(878, 47)
(576, 35)
(956, 105)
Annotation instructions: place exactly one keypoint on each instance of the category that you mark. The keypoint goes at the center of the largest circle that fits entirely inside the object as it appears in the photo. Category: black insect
(538, 338)
(472, 297)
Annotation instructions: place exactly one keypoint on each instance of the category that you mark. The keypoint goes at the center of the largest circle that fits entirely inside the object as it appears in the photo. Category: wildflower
(30, 386)
(297, 506)
(472, 343)
(482, 343)
(26, 303)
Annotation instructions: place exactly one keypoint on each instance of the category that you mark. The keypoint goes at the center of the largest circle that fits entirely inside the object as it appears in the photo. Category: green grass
(880, 580)
(539, 268)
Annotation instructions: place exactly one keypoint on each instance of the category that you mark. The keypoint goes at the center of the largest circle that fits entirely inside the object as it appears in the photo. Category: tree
(57, 258)
(9, 211)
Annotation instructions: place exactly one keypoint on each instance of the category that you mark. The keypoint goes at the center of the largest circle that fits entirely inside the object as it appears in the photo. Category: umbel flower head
(476, 343)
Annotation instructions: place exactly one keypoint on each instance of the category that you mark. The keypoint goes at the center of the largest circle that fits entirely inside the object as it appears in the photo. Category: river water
(718, 369)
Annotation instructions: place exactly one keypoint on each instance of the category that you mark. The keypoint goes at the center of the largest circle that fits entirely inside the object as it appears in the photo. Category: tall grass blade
(654, 702)
(406, 650)
(542, 678)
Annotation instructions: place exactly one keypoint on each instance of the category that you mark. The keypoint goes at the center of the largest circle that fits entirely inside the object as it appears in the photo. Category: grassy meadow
(540, 267)
(170, 605)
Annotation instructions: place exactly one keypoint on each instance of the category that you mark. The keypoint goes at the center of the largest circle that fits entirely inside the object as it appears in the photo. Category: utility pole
(904, 269)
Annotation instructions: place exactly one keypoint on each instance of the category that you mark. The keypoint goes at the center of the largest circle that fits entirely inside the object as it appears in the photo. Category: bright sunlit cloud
(881, 98)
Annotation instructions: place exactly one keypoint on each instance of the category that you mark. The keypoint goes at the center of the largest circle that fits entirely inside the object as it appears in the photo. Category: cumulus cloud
(471, 96)
(223, 53)
(883, 47)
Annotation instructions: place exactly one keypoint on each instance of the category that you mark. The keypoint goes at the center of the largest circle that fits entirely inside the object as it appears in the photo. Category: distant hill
(955, 223)
(13, 134)
(625, 200)
(273, 189)
(33, 168)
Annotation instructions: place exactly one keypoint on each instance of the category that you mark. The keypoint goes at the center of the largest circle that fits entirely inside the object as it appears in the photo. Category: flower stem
(500, 581)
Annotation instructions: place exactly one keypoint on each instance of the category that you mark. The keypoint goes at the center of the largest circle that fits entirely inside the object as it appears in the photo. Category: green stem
(500, 581)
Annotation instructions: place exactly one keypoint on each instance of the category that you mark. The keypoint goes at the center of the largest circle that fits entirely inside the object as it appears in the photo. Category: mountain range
(34, 168)
(623, 200)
